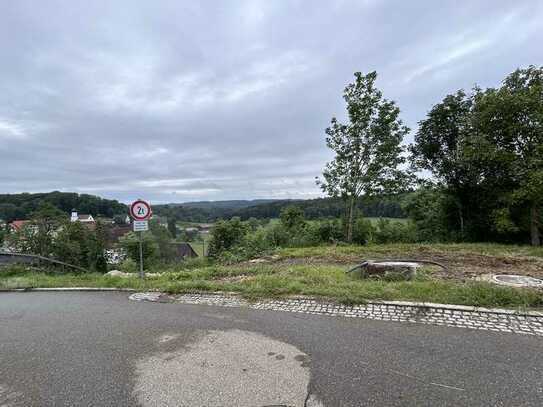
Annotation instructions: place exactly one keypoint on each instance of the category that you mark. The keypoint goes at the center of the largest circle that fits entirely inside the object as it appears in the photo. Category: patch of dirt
(460, 266)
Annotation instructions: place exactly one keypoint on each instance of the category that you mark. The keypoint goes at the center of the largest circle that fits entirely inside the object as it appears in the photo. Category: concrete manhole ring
(517, 281)
(145, 297)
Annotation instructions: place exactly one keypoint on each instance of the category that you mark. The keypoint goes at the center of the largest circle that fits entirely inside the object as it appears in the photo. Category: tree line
(320, 208)
(483, 148)
(21, 206)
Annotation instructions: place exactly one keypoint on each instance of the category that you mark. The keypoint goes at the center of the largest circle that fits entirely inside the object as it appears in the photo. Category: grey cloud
(220, 100)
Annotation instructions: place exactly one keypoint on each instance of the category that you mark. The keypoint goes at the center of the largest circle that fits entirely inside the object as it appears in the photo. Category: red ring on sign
(133, 206)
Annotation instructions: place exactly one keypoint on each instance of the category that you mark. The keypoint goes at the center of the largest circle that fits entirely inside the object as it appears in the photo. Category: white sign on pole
(140, 211)
(141, 225)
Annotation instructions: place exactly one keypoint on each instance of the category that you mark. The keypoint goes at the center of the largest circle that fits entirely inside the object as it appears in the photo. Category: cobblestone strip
(489, 320)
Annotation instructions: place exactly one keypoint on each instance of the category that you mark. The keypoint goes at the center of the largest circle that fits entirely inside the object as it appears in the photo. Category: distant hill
(209, 211)
(20, 206)
(231, 204)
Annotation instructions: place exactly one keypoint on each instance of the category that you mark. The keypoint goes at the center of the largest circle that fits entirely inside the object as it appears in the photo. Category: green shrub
(128, 266)
(150, 249)
(277, 235)
(426, 207)
(388, 231)
(363, 231)
(327, 231)
(75, 244)
(226, 234)
(292, 217)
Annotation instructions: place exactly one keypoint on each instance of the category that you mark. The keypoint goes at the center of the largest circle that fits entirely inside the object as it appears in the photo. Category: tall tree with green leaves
(368, 149)
(508, 139)
(37, 235)
(439, 148)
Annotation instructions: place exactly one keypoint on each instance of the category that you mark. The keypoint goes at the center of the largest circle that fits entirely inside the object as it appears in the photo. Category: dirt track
(460, 266)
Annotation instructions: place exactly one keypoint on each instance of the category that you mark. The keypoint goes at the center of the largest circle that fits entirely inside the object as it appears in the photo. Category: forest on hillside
(320, 208)
(21, 206)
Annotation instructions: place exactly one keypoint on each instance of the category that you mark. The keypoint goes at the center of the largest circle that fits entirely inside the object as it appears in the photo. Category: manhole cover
(517, 281)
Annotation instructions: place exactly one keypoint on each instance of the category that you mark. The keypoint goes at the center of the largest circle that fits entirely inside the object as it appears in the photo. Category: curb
(452, 307)
(424, 305)
(457, 316)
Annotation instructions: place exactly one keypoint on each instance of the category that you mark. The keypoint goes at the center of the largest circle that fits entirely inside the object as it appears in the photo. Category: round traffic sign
(140, 210)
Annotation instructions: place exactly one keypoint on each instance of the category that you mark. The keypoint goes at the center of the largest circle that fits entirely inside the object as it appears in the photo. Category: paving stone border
(489, 319)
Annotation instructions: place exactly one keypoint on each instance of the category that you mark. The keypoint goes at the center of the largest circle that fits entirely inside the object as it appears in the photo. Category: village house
(17, 225)
(81, 218)
(183, 251)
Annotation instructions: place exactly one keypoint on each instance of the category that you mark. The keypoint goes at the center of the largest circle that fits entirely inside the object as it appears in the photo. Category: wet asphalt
(84, 349)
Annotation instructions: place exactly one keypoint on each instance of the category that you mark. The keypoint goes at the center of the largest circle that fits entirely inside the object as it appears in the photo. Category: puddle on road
(225, 368)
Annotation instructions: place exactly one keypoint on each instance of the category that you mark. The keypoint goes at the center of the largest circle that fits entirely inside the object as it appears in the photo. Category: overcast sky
(204, 100)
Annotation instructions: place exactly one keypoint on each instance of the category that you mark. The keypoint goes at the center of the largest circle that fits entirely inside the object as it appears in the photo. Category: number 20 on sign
(140, 210)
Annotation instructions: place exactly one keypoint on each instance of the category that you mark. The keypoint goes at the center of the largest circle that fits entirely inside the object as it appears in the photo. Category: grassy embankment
(320, 272)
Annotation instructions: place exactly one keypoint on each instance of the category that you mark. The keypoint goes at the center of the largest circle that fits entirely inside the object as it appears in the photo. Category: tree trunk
(460, 218)
(536, 241)
(350, 221)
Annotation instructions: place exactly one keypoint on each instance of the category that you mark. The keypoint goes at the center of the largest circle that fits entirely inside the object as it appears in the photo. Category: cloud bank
(179, 101)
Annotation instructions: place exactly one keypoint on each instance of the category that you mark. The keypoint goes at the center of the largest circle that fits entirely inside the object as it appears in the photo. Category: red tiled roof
(18, 224)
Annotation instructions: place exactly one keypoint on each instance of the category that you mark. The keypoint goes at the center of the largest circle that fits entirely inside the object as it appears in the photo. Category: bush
(292, 217)
(328, 231)
(150, 250)
(225, 235)
(128, 266)
(77, 245)
(394, 232)
(163, 239)
(427, 208)
(277, 235)
(363, 231)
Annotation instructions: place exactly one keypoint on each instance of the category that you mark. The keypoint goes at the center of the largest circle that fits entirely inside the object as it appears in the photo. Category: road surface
(100, 349)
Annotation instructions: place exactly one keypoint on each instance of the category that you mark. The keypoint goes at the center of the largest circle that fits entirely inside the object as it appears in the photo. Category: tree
(36, 236)
(292, 217)
(253, 223)
(172, 226)
(439, 147)
(426, 208)
(150, 250)
(225, 234)
(368, 150)
(163, 239)
(71, 244)
(508, 139)
(46, 219)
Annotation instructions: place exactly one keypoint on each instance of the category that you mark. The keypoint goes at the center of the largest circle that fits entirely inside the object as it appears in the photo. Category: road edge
(422, 305)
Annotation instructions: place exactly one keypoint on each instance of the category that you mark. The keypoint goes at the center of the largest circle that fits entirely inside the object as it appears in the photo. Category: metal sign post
(140, 211)
(142, 273)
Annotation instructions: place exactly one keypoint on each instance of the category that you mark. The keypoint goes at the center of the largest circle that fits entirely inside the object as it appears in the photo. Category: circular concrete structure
(517, 281)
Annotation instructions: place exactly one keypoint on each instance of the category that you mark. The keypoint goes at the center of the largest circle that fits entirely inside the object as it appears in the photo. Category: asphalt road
(100, 349)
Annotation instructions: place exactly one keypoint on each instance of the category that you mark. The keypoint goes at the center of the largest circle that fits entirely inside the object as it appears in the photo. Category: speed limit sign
(140, 210)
